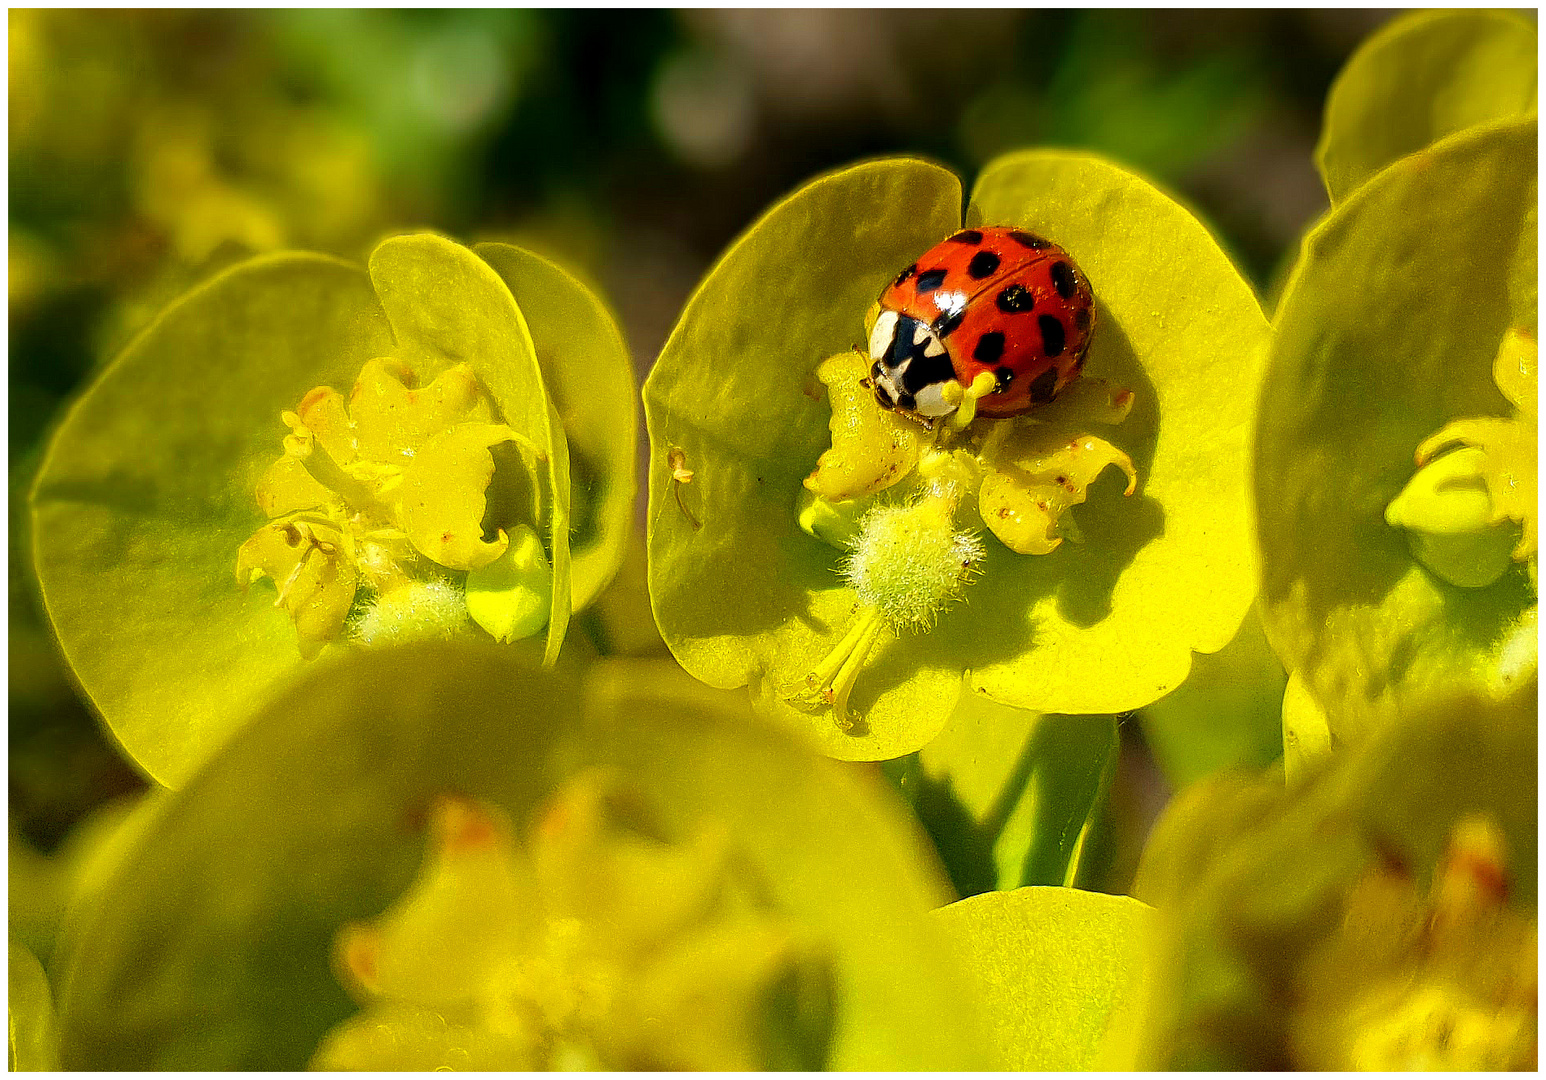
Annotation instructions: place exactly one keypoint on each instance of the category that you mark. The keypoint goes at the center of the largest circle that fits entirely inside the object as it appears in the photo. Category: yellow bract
(393, 421)
(1509, 448)
(440, 502)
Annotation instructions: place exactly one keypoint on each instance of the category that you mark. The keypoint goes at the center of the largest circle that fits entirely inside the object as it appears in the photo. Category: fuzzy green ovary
(908, 563)
(401, 475)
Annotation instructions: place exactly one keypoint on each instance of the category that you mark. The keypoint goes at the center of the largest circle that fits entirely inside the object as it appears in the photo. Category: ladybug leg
(965, 398)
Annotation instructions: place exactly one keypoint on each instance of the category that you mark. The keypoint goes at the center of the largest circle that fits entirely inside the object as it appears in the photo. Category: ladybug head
(910, 366)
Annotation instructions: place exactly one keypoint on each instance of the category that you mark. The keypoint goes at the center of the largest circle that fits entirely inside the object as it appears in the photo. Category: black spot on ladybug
(943, 325)
(1063, 279)
(1051, 335)
(1014, 299)
(1005, 376)
(906, 402)
(983, 264)
(989, 348)
(1082, 319)
(967, 236)
(1030, 240)
(930, 280)
(1041, 386)
(905, 274)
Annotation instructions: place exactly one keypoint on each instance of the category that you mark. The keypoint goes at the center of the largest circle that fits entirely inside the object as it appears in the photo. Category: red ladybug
(995, 299)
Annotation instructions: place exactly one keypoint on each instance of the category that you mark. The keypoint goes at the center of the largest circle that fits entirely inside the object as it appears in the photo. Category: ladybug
(995, 300)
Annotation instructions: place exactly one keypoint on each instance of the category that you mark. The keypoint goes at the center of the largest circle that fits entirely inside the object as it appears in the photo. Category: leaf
(1053, 965)
(34, 1040)
(1421, 77)
(1383, 336)
(210, 949)
(448, 306)
(146, 493)
(749, 598)
(1006, 793)
(1228, 712)
(1110, 624)
(586, 368)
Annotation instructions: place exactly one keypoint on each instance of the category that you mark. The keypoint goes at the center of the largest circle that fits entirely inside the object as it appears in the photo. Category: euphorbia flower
(860, 570)
(1393, 570)
(596, 943)
(433, 404)
(1377, 912)
(628, 871)
(394, 477)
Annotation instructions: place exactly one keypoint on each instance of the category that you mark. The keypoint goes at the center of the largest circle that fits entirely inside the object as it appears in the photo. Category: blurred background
(150, 149)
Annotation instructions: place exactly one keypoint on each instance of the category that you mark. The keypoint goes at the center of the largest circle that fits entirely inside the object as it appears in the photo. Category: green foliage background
(153, 151)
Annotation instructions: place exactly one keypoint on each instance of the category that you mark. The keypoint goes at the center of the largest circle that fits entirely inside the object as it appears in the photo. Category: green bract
(1008, 794)
(745, 593)
(1054, 967)
(1378, 912)
(1421, 77)
(171, 462)
(280, 875)
(1388, 332)
(1229, 711)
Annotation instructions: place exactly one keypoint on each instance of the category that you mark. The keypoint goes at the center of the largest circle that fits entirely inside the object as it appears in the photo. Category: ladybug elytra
(995, 314)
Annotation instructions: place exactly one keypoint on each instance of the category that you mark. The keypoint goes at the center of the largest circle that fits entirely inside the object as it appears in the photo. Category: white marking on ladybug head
(882, 335)
(930, 401)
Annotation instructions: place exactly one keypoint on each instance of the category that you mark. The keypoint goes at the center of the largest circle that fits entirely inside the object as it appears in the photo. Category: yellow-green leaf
(1421, 77)
(33, 1045)
(1383, 337)
(586, 368)
(146, 494)
(1053, 967)
(1111, 623)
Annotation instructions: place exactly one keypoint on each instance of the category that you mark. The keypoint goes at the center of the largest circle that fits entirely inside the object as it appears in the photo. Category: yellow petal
(1515, 371)
(286, 486)
(1033, 476)
(872, 448)
(314, 573)
(393, 422)
(323, 414)
(468, 913)
(441, 500)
